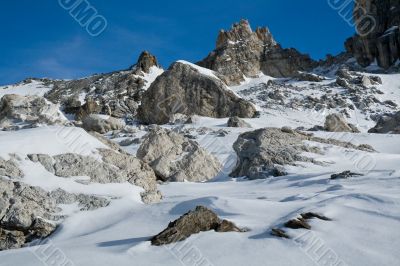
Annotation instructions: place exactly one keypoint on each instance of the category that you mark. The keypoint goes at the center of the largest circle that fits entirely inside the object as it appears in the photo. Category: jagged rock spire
(242, 32)
(146, 61)
(242, 52)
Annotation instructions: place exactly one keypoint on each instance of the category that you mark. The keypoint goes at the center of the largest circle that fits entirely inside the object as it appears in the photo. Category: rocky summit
(242, 52)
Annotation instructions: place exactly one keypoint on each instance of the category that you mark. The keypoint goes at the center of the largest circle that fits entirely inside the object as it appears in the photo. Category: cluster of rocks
(18, 111)
(298, 223)
(29, 213)
(378, 38)
(184, 89)
(345, 175)
(263, 153)
(174, 157)
(351, 91)
(116, 94)
(114, 167)
(240, 53)
(200, 219)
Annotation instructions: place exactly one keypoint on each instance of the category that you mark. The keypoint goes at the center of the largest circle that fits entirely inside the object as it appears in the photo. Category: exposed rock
(115, 167)
(263, 153)
(190, 90)
(102, 124)
(116, 94)
(311, 215)
(237, 122)
(127, 142)
(298, 223)
(279, 233)
(199, 220)
(145, 62)
(86, 202)
(90, 107)
(10, 169)
(337, 123)
(378, 35)
(23, 210)
(28, 111)
(302, 76)
(176, 158)
(389, 123)
(241, 52)
(344, 175)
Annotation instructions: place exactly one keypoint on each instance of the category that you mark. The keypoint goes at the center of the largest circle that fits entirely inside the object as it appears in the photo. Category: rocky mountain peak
(146, 61)
(241, 53)
(241, 32)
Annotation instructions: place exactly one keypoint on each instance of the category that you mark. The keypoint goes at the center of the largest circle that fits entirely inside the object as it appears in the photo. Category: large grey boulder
(18, 111)
(114, 167)
(242, 52)
(189, 90)
(337, 123)
(176, 158)
(389, 123)
(198, 220)
(264, 152)
(25, 214)
(102, 124)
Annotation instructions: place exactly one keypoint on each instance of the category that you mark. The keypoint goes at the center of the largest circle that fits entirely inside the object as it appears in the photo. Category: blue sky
(41, 39)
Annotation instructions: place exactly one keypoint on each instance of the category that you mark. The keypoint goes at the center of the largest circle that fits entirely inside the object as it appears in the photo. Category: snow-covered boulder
(18, 111)
(176, 158)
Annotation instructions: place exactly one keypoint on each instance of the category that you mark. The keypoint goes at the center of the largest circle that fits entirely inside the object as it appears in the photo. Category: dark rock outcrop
(344, 175)
(241, 52)
(145, 62)
(378, 38)
(199, 220)
(389, 123)
(190, 90)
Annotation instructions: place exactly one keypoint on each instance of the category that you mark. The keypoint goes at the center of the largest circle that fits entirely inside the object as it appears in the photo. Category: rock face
(145, 62)
(27, 111)
(199, 220)
(378, 35)
(337, 123)
(24, 214)
(241, 52)
(263, 153)
(389, 123)
(176, 158)
(237, 122)
(115, 167)
(102, 124)
(116, 94)
(10, 169)
(190, 90)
